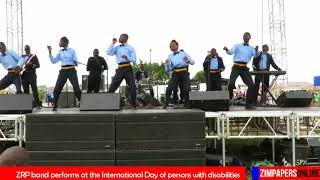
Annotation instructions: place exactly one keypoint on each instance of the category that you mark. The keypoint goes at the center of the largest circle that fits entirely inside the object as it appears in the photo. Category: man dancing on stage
(69, 61)
(262, 63)
(178, 62)
(243, 53)
(96, 65)
(125, 54)
(29, 76)
(12, 62)
(213, 66)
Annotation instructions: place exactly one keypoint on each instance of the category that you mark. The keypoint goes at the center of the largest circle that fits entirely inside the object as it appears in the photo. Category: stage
(150, 137)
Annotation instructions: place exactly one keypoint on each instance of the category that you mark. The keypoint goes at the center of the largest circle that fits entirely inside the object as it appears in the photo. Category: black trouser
(265, 86)
(64, 75)
(175, 93)
(127, 74)
(11, 78)
(207, 80)
(30, 79)
(94, 79)
(215, 83)
(177, 77)
(243, 72)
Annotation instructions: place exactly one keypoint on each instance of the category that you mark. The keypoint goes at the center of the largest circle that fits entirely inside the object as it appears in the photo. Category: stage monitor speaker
(67, 100)
(210, 100)
(294, 99)
(85, 83)
(15, 103)
(100, 102)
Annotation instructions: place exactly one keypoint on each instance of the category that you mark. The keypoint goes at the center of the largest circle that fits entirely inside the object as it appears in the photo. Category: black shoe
(55, 106)
(134, 107)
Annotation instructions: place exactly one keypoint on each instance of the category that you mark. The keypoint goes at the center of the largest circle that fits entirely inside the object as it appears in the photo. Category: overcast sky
(198, 25)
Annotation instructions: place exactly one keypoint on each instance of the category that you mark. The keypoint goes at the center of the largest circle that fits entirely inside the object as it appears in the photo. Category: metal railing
(273, 125)
(12, 128)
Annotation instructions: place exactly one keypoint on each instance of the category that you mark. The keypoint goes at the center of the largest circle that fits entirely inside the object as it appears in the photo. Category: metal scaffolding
(14, 25)
(280, 124)
(277, 30)
(12, 128)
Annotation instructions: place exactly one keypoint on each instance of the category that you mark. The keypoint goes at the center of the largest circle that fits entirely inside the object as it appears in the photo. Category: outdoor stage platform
(150, 137)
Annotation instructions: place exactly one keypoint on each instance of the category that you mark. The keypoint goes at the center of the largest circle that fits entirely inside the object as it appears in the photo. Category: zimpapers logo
(306, 172)
(278, 173)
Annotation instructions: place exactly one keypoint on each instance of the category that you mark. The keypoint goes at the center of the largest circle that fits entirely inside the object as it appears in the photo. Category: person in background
(141, 74)
(14, 156)
(29, 76)
(213, 66)
(262, 63)
(95, 65)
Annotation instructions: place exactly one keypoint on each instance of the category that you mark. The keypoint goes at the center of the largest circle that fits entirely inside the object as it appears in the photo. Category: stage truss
(12, 128)
(286, 124)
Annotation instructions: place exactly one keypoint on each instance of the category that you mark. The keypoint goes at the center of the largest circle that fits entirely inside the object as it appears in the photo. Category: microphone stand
(209, 82)
(107, 74)
(208, 75)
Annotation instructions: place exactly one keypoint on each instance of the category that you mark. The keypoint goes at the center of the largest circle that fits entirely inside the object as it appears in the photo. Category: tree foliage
(157, 74)
(199, 77)
(42, 94)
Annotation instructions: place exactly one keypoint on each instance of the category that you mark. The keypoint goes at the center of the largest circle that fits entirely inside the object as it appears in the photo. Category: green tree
(156, 72)
(42, 93)
(199, 77)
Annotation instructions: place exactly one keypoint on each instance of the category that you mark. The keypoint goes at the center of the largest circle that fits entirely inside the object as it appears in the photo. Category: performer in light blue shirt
(177, 60)
(213, 66)
(125, 54)
(243, 54)
(67, 56)
(262, 63)
(12, 62)
(178, 63)
(69, 60)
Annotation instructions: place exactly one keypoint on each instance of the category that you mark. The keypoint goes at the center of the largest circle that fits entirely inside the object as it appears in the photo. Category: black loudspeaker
(100, 102)
(210, 100)
(71, 138)
(85, 83)
(15, 103)
(67, 100)
(161, 137)
(294, 99)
